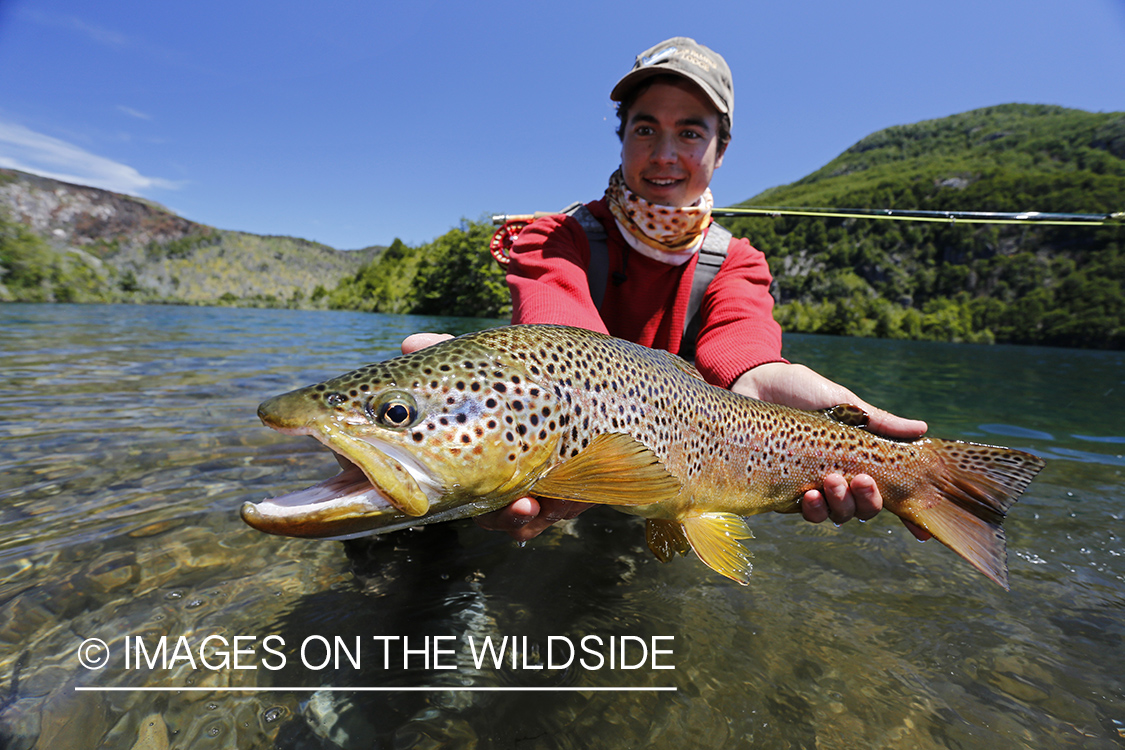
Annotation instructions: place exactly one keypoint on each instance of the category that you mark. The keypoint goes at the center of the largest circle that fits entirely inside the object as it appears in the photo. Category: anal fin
(715, 538)
(666, 538)
(614, 469)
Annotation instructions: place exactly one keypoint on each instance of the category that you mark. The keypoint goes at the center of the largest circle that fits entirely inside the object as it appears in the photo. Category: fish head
(453, 430)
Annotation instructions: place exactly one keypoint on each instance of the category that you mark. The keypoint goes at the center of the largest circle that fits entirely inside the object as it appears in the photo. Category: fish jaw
(345, 505)
(380, 484)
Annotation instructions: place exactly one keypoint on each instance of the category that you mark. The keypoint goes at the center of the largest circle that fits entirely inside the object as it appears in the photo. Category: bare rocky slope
(132, 250)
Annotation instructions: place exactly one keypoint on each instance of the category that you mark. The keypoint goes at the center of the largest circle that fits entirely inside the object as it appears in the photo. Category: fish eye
(395, 415)
(394, 411)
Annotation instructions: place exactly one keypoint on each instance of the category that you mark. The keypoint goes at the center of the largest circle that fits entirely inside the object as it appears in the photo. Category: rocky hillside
(73, 243)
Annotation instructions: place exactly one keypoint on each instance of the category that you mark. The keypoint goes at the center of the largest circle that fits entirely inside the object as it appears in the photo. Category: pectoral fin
(715, 538)
(665, 539)
(614, 469)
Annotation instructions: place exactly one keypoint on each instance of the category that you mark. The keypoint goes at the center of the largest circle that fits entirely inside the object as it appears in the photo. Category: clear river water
(128, 441)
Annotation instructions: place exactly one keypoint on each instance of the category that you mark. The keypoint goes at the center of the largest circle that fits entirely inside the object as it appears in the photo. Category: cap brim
(633, 78)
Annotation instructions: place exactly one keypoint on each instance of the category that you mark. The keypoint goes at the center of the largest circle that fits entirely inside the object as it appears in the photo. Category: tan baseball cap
(683, 57)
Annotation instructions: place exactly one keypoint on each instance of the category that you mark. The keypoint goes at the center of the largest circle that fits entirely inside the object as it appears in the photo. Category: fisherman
(639, 248)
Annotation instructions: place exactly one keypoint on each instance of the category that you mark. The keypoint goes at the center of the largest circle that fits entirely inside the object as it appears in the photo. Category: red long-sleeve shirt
(547, 278)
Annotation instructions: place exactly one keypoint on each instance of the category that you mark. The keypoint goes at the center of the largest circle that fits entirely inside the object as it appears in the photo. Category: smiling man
(645, 263)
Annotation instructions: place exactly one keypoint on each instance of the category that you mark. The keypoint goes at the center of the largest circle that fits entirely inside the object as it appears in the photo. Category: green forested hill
(453, 275)
(1024, 284)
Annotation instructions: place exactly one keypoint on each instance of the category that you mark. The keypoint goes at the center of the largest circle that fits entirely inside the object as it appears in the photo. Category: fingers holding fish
(528, 517)
(416, 341)
(919, 533)
(842, 501)
(888, 425)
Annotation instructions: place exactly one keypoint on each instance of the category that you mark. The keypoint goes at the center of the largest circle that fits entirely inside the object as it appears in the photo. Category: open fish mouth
(381, 483)
(381, 488)
(343, 506)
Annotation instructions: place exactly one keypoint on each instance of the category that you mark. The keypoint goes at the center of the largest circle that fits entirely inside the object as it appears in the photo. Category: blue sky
(355, 123)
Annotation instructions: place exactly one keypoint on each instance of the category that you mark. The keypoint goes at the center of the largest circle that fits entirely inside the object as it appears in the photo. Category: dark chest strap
(711, 257)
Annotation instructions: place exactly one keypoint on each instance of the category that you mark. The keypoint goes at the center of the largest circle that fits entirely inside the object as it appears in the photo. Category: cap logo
(699, 60)
(660, 56)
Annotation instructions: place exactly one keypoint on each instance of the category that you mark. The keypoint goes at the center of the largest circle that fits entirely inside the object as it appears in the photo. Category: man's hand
(802, 388)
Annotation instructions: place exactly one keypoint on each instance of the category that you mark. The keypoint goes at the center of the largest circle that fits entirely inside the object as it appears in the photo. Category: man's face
(670, 145)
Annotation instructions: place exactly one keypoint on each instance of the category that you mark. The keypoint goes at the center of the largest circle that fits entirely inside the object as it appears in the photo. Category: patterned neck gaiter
(661, 227)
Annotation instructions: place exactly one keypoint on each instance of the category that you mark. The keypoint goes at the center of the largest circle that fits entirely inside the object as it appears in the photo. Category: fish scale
(468, 425)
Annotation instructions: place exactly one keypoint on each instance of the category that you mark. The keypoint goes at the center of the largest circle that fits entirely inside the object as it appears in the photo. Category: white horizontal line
(410, 689)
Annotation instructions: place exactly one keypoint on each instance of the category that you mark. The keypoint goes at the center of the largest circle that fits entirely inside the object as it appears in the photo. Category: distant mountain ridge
(76, 243)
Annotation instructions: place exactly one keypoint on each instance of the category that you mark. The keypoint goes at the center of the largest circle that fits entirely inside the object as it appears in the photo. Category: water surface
(128, 440)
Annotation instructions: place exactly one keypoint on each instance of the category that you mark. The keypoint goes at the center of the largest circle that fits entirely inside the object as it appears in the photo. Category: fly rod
(512, 224)
(891, 214)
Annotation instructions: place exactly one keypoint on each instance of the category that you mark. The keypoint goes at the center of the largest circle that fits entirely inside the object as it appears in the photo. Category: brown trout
(468, 425)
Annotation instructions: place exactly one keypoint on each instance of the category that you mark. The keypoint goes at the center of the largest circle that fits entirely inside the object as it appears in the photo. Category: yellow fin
(715, 538)
(614, 469)
(665, 539)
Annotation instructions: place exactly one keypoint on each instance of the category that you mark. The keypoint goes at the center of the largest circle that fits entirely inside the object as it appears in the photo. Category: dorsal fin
(848, 414)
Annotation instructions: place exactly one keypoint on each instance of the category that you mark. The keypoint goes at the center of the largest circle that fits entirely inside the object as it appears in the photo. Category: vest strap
(711, 257)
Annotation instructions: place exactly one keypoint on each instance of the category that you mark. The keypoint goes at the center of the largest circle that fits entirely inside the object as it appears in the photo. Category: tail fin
(965, 506)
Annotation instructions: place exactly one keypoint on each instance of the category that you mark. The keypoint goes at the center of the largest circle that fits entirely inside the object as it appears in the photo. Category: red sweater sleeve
(547, 275)
(738, 332)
